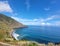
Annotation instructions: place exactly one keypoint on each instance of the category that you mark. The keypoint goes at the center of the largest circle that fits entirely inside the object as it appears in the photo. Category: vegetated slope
(6, 25)
(9, 21)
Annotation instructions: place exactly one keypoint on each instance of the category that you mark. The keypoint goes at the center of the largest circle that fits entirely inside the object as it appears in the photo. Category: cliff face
(10, 22)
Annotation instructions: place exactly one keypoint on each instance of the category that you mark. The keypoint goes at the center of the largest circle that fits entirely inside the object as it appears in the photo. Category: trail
(5, 44)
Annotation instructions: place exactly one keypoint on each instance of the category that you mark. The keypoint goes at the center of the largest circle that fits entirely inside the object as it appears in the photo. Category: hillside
(6, 26)
(10, 22)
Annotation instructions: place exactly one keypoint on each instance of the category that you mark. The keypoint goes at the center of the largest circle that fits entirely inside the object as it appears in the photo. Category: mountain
(7, 24)
(9, 21)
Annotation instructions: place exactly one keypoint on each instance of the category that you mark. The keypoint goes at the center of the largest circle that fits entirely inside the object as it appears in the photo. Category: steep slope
(9, 21)
(6, 26)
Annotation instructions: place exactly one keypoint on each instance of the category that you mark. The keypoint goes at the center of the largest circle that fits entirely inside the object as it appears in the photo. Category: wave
(15, 35)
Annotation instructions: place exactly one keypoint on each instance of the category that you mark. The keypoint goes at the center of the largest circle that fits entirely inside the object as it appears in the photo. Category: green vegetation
(6, 26)
(33, 44)
(4, 30)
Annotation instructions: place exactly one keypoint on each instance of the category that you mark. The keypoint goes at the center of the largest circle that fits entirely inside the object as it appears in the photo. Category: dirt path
(5, 44)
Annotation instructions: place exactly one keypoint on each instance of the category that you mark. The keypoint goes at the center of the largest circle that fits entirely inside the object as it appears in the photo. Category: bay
(41, 34)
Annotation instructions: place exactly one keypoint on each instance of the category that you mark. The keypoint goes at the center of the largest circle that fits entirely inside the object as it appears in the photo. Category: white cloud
(53, 1)
(46, 9)
(27, 4)
(31, 21)
(57, 23)
(42, 22)
(50, 18)
(45, 24)
(5, 7)
(16, 18)
(27, 21)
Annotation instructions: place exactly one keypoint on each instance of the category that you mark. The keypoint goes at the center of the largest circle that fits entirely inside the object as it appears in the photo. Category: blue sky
(32, 12)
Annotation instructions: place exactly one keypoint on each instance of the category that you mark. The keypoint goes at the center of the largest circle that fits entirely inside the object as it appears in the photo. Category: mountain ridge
(7, 25)
(10, 21)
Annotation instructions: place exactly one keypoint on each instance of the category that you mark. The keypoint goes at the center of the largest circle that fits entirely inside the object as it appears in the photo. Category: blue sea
(41, 34)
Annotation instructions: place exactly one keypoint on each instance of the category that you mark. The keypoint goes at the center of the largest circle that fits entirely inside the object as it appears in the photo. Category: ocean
(41, 34)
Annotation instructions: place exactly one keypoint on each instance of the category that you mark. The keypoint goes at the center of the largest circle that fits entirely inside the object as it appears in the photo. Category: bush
(32, 44)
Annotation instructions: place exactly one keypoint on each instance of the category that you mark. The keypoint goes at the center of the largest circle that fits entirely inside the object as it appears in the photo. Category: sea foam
(15, 35)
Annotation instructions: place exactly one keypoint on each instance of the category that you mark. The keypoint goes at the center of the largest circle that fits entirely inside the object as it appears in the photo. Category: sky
(32, 12)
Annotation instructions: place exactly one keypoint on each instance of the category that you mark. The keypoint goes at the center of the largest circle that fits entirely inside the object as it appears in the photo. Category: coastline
(28, 42)
(13, 34)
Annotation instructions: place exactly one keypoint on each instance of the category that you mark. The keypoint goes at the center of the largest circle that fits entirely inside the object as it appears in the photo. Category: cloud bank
(40, 21)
